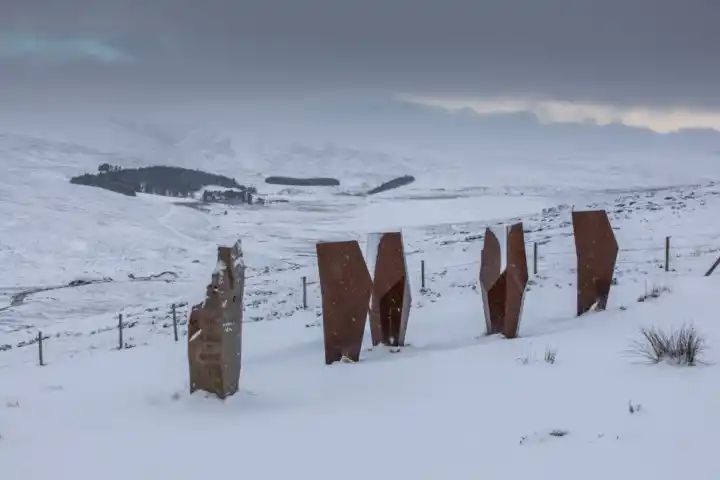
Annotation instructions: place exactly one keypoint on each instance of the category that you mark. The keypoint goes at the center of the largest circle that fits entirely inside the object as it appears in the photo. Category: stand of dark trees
(394, 183)
(169, 181)
(303, 182)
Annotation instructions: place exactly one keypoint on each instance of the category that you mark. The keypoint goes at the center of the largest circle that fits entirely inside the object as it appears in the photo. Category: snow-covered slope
(452, 403)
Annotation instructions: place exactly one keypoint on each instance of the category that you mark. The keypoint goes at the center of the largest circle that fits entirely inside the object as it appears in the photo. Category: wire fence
(178, 313)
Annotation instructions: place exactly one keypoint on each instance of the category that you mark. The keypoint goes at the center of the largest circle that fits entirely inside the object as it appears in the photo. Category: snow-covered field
(451, 404)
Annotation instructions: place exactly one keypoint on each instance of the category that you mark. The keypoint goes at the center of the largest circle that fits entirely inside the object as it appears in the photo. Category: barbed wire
(264, 276)
(541, 253)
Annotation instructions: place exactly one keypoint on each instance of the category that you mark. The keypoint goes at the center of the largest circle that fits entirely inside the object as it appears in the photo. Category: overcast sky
(652, 54)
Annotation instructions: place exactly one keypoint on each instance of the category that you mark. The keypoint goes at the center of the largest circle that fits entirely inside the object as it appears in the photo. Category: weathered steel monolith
(503, 291)
(215, 327)
(492, 283)
(390, 305)
(596, 250)
(516, 279)
(345, 286)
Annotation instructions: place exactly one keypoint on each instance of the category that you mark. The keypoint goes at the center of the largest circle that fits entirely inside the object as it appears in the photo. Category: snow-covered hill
(453, 402)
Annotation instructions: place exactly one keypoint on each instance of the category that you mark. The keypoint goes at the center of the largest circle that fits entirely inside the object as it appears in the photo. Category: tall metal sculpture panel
(390, 305)
(596, 250)
(516, 279)
(503, 291)
(371, 257)
(345, 286)
(492, 283)
(215, 328)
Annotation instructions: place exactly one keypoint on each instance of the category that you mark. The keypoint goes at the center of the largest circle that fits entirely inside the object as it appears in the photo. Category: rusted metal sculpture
(516, 279)
(596, 250)
(215, 327)
(492, 283)
(346, 286)
(503, 291)
(391, 298)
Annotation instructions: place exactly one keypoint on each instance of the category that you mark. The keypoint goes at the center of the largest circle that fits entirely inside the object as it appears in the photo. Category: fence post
(174, 323)
(120, 329)
(422, 274)
(712, 269)
(667, 254)
(535, 257)
(304, 280)
(40, 352)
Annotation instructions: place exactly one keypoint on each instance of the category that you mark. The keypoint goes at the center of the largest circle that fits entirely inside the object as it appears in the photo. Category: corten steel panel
(492, 283)
(390, 303)
(215, 327)
(345, 285)
(371, 257)
(516, 279)
(596, 250)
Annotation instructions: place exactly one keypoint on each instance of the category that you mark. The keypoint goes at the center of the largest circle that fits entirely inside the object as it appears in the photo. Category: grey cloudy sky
(653, 53)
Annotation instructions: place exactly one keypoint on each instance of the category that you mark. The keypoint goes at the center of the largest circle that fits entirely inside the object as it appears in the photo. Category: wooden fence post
(422, 274)
(174, 323)
(667, 254)
(535, 257)
(304, 282)
(40, 351)
(120, 332)
(712, 269)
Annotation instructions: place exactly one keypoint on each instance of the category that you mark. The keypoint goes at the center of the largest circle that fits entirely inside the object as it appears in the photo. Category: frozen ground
(453, 403)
